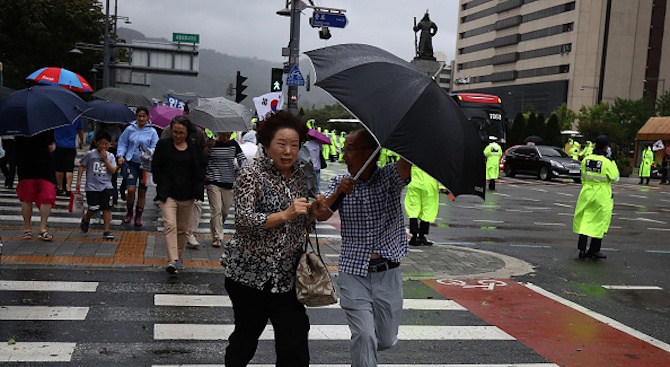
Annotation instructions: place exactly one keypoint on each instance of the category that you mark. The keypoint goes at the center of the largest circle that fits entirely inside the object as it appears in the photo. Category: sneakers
(108, 235)
(84, 226)
(179, 264)
(192, 241)
(171, 267)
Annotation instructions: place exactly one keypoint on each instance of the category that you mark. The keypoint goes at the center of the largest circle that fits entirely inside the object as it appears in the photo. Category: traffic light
(239, 96)
(277, 81)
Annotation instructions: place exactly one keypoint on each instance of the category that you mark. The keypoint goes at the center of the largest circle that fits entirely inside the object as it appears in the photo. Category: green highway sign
(185, 37)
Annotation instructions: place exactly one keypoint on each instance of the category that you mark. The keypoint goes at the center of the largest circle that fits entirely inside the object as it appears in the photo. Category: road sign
(294, 78)
(185, 37)
(335, 20)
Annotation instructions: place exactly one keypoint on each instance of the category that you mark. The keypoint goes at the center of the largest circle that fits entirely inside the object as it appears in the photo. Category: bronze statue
(424, 49)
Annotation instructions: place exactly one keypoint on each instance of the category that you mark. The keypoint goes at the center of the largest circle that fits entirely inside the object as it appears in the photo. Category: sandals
(216, 243)
(27, 235)
(45, 236)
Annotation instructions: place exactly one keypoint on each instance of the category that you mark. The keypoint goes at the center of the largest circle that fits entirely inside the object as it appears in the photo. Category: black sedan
(545, 162)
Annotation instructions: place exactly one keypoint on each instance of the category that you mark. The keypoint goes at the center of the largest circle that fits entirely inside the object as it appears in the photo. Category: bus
(485, 111)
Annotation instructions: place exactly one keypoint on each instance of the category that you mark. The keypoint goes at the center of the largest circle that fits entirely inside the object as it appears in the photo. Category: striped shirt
(223, 163)
(372, 220)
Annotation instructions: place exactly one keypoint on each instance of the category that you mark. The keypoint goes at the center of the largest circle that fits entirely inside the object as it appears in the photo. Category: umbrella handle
(340, 197)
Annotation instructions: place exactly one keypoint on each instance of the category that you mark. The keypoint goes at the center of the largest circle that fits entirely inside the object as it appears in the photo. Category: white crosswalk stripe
(191, 312)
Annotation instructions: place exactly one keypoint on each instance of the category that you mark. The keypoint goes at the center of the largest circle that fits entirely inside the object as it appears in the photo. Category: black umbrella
(407, 112)
(109, 112)
(33, 110)
(5, 91)
(126, 97)
(533, 139)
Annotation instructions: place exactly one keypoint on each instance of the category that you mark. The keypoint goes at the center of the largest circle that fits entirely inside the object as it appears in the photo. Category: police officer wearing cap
(493, 153)
(593, 212)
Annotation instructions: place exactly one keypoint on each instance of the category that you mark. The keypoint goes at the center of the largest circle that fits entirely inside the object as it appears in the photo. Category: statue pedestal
(430, 67)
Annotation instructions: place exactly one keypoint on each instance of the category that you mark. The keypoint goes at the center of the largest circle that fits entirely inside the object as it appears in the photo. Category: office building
(548, 52)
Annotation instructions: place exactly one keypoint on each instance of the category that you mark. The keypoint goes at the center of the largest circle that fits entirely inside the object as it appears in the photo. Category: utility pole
(294, 55)
(105, 50)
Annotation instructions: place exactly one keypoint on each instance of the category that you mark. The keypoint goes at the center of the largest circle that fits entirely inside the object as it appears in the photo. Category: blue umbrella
(33, 110)
(109, 112)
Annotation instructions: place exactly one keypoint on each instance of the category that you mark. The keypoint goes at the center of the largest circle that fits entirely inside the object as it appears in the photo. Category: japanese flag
(658, 146)
(268, 103)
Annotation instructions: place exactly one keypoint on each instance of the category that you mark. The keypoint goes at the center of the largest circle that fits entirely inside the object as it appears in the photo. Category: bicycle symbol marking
(485, 284)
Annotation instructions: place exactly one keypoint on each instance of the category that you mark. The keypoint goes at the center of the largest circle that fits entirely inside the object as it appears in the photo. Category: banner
(268, 103)
(175, 102)
(658, 146)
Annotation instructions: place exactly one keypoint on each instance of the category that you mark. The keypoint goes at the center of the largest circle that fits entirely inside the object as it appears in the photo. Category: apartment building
(548, 52)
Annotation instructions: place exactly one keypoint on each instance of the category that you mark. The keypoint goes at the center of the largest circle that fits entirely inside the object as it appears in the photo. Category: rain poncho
(595, 203)
(493, 153)
(423, 198)
(647, 160)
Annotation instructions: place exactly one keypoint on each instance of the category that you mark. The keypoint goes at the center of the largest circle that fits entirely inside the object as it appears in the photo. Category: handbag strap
(308, 242)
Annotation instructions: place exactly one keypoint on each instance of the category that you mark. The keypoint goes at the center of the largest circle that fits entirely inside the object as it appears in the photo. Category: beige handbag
(313, 285)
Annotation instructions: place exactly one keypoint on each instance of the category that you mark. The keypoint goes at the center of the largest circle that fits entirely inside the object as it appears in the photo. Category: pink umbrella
(161, 116)
(320, 137)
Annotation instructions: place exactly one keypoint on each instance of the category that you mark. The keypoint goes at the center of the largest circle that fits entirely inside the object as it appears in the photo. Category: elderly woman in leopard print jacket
(271, 210)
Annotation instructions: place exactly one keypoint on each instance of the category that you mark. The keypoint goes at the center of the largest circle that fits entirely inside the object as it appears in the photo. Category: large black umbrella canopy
(33, 110)
(124, 96)
(5, 91)
(407, 111)
(109, 112)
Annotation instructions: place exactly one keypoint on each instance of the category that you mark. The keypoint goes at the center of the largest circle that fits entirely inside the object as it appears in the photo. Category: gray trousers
(373, 305)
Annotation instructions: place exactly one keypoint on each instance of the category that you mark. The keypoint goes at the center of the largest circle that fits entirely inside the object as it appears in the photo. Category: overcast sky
(251, 28)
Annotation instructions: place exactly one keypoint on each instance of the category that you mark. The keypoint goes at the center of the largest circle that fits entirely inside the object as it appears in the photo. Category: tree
(628, 116)
(663, 104)
(535, 126)
(553, 132)
(39, 33)
(566, 117)
(515, 135)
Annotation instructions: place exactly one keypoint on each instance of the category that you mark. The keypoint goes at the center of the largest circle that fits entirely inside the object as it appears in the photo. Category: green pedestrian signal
(277, 81)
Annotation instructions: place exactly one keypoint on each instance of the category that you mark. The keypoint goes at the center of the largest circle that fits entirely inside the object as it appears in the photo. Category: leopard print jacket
(259, 257)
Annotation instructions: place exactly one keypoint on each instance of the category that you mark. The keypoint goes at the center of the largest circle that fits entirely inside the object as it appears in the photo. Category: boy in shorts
(100, 165)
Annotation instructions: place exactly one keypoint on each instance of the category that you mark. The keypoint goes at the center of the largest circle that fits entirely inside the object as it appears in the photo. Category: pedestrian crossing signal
(277, 82)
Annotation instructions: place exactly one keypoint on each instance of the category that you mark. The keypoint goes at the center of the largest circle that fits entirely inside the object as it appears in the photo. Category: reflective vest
(593, 211)
(647, 160)
(493, 153)
(423, 197)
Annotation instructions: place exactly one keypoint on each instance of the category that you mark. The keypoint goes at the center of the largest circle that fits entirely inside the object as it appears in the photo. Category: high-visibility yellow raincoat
(588, 149)
(647, 160)
(493, 153)
(574, 153)
(593, 212)
(423, 198)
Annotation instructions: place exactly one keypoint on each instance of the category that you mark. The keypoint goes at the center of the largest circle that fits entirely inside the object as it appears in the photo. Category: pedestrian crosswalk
(136, 318)
(10, 214)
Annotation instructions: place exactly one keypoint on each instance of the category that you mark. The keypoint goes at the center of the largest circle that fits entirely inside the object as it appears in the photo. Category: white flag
(658, 146)
(268, 103)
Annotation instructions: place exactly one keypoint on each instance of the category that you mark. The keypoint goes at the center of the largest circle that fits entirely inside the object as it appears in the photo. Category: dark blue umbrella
(109, 112)
(33, 110)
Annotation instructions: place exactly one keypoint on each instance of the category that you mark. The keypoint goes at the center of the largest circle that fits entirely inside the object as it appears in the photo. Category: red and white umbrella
(60, 76)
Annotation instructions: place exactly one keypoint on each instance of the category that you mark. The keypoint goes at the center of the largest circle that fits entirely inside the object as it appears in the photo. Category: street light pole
(105, 50)
(294, 55)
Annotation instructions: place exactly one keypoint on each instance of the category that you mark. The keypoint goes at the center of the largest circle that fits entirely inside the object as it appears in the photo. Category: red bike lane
(566, 336)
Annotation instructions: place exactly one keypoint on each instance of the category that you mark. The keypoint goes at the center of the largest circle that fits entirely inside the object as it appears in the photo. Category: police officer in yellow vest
(493, 153)
(645, 166)
(588, 149)
(422, 202)
(593, 212)
(574, 153)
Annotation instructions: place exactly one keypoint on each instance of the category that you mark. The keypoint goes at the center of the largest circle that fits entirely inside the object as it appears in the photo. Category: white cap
(493, 138)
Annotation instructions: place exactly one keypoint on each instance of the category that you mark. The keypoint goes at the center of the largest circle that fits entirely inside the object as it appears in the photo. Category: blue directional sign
(335, 20)
(294, 78)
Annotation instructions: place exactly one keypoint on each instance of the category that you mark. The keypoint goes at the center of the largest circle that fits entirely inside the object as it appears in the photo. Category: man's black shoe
(413, 242)
(597, 255)
(582, 254)
(423, 241)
